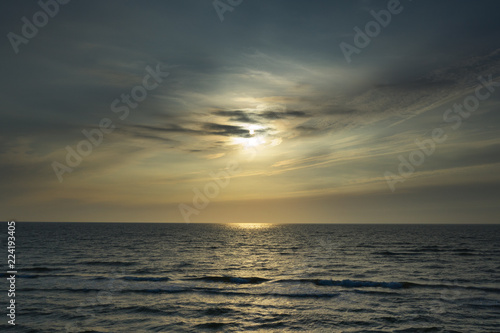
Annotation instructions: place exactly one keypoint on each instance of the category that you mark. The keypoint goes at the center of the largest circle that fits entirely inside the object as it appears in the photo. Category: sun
(254, 140)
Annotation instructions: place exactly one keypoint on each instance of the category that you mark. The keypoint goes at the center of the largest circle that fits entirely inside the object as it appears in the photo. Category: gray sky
(267, 90)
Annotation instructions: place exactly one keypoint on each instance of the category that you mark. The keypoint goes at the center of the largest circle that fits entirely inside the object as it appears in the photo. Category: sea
(167, 277)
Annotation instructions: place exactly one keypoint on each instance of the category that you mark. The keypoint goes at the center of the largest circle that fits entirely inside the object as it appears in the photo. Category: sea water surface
(119, 277)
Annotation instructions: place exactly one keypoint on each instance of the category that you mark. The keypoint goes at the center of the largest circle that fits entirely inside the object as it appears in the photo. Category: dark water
(256, 278)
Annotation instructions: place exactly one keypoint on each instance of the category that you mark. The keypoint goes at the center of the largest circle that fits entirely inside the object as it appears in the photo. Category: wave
(127, 278)
(140, 278)
(134, 278)
(143, 309)
(58, 290)
(446, 286)
(187, 290)
(232, 279)
(106, 263)
(385, 253)
(19, 275)
(146, 271)
(27, 276)
(33, 276)
(422, 251)
(130, 278)
(282, 292)
(236, 280)
(39, 269)
(219, 311)
(211, 325)
(391, 285)
(235, 293)
(348, 283)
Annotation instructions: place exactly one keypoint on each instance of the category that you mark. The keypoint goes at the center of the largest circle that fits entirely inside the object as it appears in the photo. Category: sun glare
(254, 140)
(250, 225)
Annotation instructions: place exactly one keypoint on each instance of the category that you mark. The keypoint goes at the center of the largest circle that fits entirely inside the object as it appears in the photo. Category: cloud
(282, 114)
(167, 128)
(226, 130)
(250, 117)
(165, 132)
(237, 116)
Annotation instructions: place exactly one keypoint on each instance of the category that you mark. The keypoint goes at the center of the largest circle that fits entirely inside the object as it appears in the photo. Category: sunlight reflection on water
(251, 225)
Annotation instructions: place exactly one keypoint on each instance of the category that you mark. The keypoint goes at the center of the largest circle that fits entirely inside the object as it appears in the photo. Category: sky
(260, 111)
